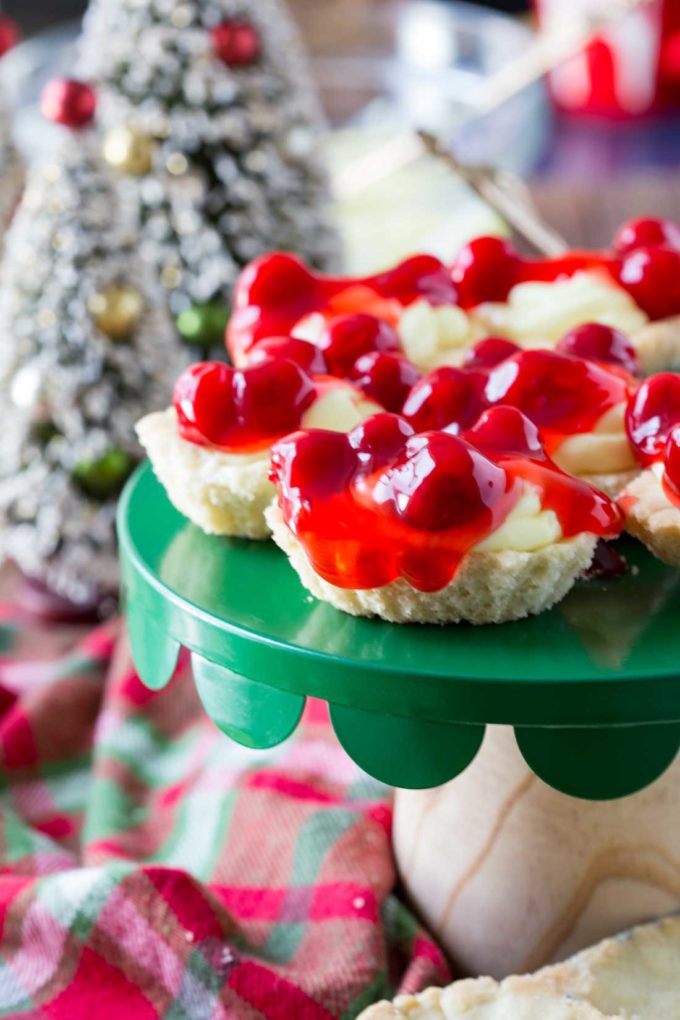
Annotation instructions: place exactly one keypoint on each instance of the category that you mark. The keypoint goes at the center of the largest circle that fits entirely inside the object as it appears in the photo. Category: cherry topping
(505, 430)
(385, 377)
(556, 391)
(652, 278)
(311, 464)
(439, 482)
(486, 269)
(304, 354)
(490, 352)
(349, 336)
(444, 397)
(652, 413)
(672, 466)
(601, 343)
(222, 407)
(607, 563)
(273, 279)
(379, 439)
(647, 233)
(415, 276)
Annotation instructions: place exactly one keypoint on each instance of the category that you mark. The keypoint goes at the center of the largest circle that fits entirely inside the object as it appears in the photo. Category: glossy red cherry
(203, 401)
(220, 406)
(505, 430)
(486, 269)
(652, 278)
(236, 43)
(9, 35)
(419, 275)
(652, 413)
(556, 391)
(672, 466)
(68, 102)
(385, 377)
(647, 233)
(601, 343)
(303, 353)
(311, 465)
(349, 336)
(273, 280)
(441, 482)
(379, 439)
(490, 352)
(444, 397)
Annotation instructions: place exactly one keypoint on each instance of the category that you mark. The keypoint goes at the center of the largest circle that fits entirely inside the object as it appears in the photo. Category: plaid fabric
(151, 868)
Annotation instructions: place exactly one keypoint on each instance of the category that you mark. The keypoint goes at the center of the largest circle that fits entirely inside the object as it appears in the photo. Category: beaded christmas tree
(211, 118)
(85, 350)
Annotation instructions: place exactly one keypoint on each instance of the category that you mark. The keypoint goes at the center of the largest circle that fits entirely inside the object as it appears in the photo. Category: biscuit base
(611, 484)
(489, 587)
(652, 518)
(220, 496)
(634, 975)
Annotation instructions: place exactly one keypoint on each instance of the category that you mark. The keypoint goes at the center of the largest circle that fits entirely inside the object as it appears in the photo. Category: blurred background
(598, 141)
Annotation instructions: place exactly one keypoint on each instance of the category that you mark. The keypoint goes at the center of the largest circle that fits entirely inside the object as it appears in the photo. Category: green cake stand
(592, 688)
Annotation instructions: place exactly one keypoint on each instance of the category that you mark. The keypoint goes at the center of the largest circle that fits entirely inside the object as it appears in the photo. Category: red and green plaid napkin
(151, 868)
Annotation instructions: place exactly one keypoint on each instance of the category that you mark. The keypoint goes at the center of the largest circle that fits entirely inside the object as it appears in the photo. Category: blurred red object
(9, 34)
(631, 69)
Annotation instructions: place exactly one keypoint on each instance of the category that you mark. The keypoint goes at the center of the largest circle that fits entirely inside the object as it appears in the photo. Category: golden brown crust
(611, 484)
(489, 587)
(652, 518)
(633, 977)
(220, 495)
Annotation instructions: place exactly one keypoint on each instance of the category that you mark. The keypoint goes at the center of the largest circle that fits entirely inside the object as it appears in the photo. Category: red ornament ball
(68, 102)
(236, 43)
(9, 35)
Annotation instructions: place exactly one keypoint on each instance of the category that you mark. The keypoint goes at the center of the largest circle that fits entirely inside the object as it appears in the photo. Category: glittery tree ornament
(236, 43)
(221, 90)
(85, 351)
(68, 102)
(9, 34)
(129, 151)
(116, 310)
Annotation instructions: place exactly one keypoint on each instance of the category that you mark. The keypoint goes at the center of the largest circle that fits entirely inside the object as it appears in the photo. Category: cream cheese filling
(606, 449)
(526, 528)
(437, 335)
(539, 314)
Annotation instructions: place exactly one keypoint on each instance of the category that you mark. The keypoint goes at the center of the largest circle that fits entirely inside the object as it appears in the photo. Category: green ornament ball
(103, 478)
(203, 325)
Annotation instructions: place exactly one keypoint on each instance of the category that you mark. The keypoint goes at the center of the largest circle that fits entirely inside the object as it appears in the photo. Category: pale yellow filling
(338, 408)
(539, 314)
(433, 336)
(606, 449)
(526, 528)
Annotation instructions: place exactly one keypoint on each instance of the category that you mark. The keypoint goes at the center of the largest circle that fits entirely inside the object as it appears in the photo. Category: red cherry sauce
(561, 394)
(276, 292)
(386, 502)
(241, 411)
(645, 261)
(653, 425)
(652, 413)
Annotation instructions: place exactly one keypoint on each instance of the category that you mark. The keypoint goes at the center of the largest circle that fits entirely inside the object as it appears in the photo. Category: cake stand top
(592, 687)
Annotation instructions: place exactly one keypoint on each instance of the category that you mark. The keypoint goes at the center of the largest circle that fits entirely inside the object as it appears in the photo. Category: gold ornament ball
(116, 310)
(129, 151)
